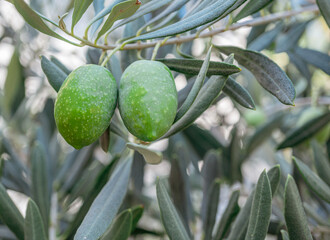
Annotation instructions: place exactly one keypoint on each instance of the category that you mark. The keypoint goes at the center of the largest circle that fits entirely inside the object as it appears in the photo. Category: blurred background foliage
(224, 151)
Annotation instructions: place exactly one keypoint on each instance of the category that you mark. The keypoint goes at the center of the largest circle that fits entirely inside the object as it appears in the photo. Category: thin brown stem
(187, 38)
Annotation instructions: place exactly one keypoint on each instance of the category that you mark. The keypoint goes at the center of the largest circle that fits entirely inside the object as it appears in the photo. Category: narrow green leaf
(266, 39)
(314, 214)
(193, 66)
(32, 18)
(171, 219)
(294, 214)
(55, 75)
(270, 76)
(98, 6)
(59, 64)
(10, 215)
(120, 11)
(101, 179)
(239, 227)
(300, 64)
(106, 204)
(212, 208)
(34, 227)
(274, 176)
(206, 15)
(288, 40)
(228, 216)
(204, 99)
(144, 9)
(39, 188)
(80, 7)
(261, 209)
(316, 58)
(306, 131)
(236, 5)
(324, 7)
(121, 227)
(285, 235)
(313, 181)
(321, 162)
(137, 213)
(251, 7)
(14, 89)
(238, 93)
(150, 156)
(196, 87)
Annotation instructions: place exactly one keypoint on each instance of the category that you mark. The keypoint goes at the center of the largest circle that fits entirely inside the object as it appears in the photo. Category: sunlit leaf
(150, 156)
(80, 7)
(251, 7)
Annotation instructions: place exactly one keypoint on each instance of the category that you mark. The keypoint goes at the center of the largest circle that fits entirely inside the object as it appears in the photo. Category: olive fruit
(85, 104)
(147, 99)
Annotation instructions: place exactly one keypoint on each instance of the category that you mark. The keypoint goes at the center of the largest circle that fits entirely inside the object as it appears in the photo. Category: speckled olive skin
(85, 104)
(147, 99)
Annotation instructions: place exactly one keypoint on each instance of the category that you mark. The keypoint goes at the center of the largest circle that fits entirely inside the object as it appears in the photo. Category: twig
(177, 40)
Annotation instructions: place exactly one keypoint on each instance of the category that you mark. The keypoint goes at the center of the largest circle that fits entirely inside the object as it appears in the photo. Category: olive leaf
(34, 19)
(119, 11)
(294, 214)
(313, 181)
(196, 87)
(121, 228)
(270, 76)
(170, 217)
(150, 156)
(55, 75)
(10, 215)
(59, 64)
(206, 15)
(306, 131)
(261, 209)
(324, 7)
(321, 162)
(98, 6)
(80, 7)
(34, 227)
(107, 203)
(137, 213)
(251, 7)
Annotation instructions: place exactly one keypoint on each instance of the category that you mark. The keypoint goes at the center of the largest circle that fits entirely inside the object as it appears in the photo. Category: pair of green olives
(147, 102)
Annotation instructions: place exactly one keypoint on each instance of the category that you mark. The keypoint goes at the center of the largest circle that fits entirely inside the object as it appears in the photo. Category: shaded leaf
(251, 7)
(324, 7)
(137, 213)
(321, 162)
(316, 58)
(285, 235)
(55, 75)
(10, 215)
(150, 156)
(119, 11)
(196, 87)
(98, 6)
(294, 214)
(107, 203)
(300, 64)
(34, 19)
(193, 66)
(14, 89)
(212, 208)
(39, 188)
(238, 93)
(228, 216)
(266, 39)
(274, 176)
(170, 217)
(34, 227)
(80, 7)
(288, 40)
(261, 209)
(305, 131)
(206, 15)
(59, 64)
(313, 181)
(204, 99)
(121, 227)
(270, 76)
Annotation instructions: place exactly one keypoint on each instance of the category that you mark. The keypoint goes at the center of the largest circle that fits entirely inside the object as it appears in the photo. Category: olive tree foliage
(274, 82)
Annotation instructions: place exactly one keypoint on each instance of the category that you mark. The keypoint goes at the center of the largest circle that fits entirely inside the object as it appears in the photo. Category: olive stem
(158, 45)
